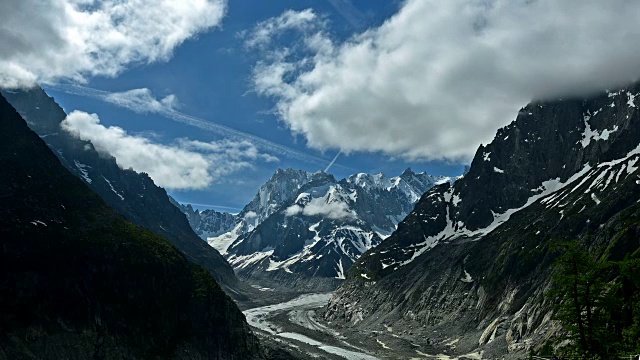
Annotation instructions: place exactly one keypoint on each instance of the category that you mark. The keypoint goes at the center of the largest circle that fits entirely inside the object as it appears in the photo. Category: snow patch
(590, 134)
(455, 200)
(467, 277)
(113, 189)
(347, 240)
(450, 230)
(384, 266)
(384, 346)
(302, 196)
(83, 171)
(631, 100)
(224, 241)
(260, 288)
(631, 166)
(242, 261)
(340, 270)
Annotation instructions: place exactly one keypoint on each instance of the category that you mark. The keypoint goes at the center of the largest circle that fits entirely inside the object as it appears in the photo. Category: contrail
(332, 161)
(178, 116)
(211, 206)
(354, 17)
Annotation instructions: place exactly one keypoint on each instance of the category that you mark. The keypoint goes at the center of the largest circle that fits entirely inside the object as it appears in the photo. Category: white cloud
(439, 77)
(142, 101)
(188, 164)
(250, 215)
(319, 206)
(264, 31)
(293, 210)
(48, 40)
(227, 156)
(233, 149)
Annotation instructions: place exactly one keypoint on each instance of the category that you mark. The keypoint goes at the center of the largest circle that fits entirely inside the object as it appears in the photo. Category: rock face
(207, 223)
(306, 229)
(79, 281)
(132, 194)
(221, 228)
(472, 260)
(282, 186)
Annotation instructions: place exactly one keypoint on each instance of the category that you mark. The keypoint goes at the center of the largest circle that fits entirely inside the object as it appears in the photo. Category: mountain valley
(423, 264)
(468, 269)
(304, 180)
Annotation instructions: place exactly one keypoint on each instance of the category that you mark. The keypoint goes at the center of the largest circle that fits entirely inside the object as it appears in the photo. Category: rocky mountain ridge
(207, 223)
(79, 281)
(132, 194)
(306, 229)
(469, 266)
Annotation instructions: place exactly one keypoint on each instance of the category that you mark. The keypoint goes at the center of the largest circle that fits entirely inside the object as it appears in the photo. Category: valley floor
(297, 326)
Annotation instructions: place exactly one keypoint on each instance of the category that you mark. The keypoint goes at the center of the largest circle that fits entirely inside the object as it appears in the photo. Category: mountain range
(305, 229)
(96, 259)
(468, 269)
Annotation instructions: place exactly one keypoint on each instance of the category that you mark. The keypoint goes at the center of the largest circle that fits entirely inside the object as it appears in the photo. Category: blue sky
(210, 76)
(210, 97)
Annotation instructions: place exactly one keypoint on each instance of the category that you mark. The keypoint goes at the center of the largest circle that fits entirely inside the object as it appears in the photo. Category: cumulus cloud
(319, 206)
(48, 40)
(439, 77)
(188, 164)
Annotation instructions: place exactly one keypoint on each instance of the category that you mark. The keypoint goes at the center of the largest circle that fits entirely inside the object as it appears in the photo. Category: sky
(210, 97)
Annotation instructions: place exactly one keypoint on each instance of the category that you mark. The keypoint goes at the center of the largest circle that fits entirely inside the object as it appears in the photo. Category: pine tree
(585, 298)
(630, 310)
